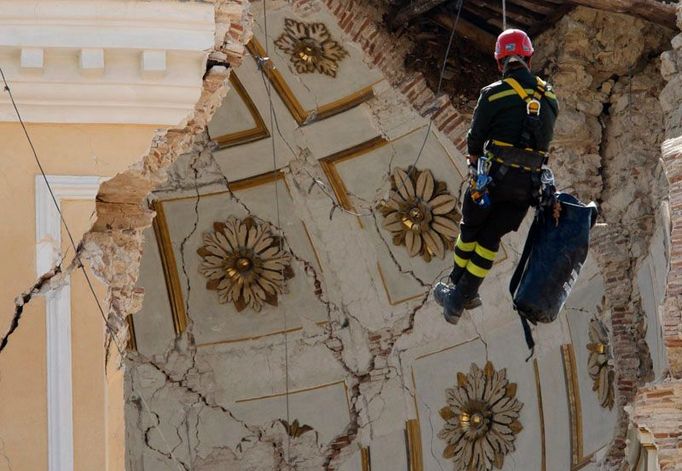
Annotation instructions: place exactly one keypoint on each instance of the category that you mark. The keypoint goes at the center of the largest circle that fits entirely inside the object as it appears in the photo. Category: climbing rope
(273, 119)
(440, 80)
(504, 15)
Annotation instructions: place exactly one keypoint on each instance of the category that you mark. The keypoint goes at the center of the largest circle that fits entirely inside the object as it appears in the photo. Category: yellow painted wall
(100, 150)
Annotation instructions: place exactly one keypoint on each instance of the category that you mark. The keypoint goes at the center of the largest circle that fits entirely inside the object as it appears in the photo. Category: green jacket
(500, 113)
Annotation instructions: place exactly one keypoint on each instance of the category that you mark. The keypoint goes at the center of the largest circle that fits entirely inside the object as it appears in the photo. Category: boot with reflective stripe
(455, 275)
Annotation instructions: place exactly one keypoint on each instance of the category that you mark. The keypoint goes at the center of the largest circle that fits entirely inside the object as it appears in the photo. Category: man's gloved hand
(472, 160)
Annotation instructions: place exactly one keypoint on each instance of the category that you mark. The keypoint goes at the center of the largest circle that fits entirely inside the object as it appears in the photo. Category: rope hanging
(273, 120)
(504, 15)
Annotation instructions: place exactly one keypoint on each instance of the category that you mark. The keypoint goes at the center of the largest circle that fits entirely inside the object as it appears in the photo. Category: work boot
(455, 275)
(447, 297)
(455, 300)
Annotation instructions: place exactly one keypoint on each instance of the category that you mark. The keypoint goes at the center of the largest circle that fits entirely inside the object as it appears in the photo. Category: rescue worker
(512, 128)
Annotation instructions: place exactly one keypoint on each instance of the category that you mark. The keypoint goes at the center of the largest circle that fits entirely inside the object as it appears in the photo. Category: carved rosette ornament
(600, 370)
(245, 263)
(310, 47)
(420, 213)
(481, 419)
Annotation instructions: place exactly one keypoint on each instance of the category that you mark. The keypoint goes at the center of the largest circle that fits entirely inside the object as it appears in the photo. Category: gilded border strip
(260, 131)
(170, 268)
(365, 458)
(328, 165)
(388, 294)
(541, 412)
(169, 265)
(301, 115)
(413, 441)
(578, 461)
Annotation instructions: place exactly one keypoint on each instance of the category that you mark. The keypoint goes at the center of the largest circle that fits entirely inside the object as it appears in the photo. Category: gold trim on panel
(301, 115)
(170, 268)
(260, 131)
(413, 442)
(243, 184)
(388, 295)
(578, 461)
(256, 337)
(541, 412)
(418, 453)
(365, 458)
(132, 339)
(328, 165)
(296, 391)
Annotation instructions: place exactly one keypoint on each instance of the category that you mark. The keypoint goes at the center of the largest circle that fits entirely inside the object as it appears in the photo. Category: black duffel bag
(551, 261)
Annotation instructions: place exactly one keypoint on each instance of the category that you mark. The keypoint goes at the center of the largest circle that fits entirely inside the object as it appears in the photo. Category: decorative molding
(328, 165)
(104, 61)
(480, 426)
(259, 131)
(58, 312)
(245, 262)
(170, 268)
(578, 460)
(311, 47)
(413, 441)
(300, 114)
(420, 213)
(541, 413)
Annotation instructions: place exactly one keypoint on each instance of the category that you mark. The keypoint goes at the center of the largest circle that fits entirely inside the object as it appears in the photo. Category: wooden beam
(540, 9)
(482, 39)
(651, 10)
(413, 10)
(550, 20)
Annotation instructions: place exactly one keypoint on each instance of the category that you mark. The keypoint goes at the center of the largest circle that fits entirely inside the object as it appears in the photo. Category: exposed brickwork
(672, 318)
(612, 248)
(657, 409)
(364, 24)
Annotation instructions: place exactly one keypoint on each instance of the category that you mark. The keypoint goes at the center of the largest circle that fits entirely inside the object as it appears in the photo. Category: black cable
(440, 80)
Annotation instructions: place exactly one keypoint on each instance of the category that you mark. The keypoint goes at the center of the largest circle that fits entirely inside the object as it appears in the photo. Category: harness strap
(532, 104)
(516, 279)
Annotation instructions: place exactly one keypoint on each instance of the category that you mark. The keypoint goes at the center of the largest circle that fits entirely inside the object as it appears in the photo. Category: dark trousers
(482, 229)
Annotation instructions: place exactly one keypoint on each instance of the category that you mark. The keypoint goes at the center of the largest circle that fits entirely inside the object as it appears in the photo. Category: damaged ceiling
(238, 363)
(470, 66)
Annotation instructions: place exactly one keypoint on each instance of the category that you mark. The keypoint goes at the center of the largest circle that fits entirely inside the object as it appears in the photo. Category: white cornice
(104, 61)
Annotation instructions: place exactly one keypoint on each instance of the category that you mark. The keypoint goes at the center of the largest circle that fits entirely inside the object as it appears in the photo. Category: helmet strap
(508, 60)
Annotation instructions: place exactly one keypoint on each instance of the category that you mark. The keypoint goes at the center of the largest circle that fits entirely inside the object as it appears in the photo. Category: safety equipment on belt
(479, 181)
(551, 261)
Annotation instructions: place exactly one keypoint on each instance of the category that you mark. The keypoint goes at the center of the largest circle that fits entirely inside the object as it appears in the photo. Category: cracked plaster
(372, 346)
(191, 426)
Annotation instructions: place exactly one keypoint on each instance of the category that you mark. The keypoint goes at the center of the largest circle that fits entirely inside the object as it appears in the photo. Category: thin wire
(108, 326)
(281, 239)
(504, 15)
(61, 215)
(440, 80)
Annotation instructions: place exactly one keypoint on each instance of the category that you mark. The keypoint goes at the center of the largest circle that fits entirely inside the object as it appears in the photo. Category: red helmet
(513, 42)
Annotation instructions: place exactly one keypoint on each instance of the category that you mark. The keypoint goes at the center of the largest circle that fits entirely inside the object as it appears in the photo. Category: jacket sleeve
(480, 125)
